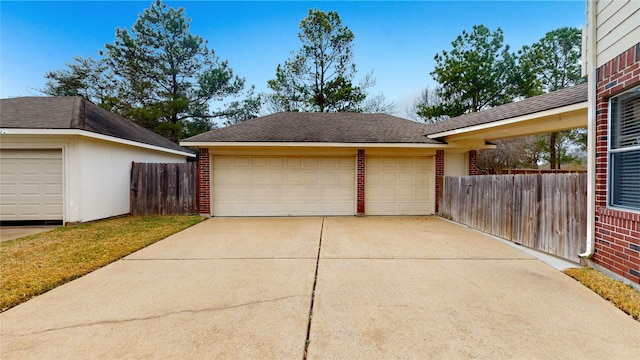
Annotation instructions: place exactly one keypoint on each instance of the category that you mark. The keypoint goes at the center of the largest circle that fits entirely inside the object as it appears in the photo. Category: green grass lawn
(32, 265)
(625, 297)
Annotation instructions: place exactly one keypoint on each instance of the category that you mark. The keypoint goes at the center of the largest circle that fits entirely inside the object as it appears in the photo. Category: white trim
(608, 157)
(493, 124)
(92, 135)
(313, 144)
(624, 149)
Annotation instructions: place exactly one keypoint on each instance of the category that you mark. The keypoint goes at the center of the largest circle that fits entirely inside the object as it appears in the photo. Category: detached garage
(322, 164)
(64, 159)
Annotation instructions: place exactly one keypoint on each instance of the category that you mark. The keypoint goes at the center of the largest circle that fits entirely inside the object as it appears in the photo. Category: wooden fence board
(546, 212)
(163, 189)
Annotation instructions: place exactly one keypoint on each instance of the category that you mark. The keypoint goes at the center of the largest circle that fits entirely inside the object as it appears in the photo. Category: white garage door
(283, 186)
(30, 185)
(399, 186)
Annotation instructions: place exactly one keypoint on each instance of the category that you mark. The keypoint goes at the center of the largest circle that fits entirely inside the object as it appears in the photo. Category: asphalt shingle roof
(564, 97)
(74, 112)
(321, 127)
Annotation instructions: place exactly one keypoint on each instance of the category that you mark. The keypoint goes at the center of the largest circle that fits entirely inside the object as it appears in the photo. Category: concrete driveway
(402, 288)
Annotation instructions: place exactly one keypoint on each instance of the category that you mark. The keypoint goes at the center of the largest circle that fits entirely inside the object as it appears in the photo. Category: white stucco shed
(64, 159)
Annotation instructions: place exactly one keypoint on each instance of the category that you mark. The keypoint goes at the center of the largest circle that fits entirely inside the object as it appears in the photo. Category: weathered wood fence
(544, 212)
(163, 189)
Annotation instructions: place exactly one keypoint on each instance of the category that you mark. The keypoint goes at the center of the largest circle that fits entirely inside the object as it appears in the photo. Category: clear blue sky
(397, 40)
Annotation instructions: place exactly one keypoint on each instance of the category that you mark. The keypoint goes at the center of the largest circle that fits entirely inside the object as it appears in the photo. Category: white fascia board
(313, 144)
(556, 111)
(92, 135)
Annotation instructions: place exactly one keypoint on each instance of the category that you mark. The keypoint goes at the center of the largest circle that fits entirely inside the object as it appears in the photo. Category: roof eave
(509, 121)
(89, 134)
(306, 144)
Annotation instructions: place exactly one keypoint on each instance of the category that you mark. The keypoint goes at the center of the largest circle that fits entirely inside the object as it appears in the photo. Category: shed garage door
(30, 185)
(399, 186)
(283, 185)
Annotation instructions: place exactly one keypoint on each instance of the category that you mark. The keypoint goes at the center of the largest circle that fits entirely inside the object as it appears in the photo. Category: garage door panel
(390, 177)
(390, 192)
(294, 178)
(306, 162)
(422, 193)
(406, 192)
(28, 189)
(308, 177)
(399, 186)
(30, 184)
(30, 209)
(406, 163)
(281, 186)
(345, 193)
(344, 177)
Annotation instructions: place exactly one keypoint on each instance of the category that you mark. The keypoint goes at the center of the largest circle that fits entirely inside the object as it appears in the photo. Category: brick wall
(439, 175)
(204, 182)
(360, 185)
(473, 168)
(617, 232)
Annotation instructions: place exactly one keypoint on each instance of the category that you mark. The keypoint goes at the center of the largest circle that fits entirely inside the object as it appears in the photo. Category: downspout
(591, 129)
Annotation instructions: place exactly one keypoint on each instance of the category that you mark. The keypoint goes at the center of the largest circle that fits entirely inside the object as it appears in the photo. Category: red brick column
(439, 175)
(360, 186)
(204, 182)
(473, 168)
(617, 232)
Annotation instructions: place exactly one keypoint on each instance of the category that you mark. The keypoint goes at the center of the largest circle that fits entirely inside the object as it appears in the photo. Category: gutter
(591, 130)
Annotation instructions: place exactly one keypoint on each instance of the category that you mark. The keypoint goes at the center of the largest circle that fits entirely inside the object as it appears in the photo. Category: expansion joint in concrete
(313, 293)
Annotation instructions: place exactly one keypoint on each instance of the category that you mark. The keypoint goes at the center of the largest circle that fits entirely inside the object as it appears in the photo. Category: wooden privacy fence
(163, 189)
(544, 212)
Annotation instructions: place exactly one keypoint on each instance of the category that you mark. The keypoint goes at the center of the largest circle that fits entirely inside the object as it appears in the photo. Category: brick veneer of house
(360, 191)
(439, 175)
(473, 162)
(617, 232)
(204, 187)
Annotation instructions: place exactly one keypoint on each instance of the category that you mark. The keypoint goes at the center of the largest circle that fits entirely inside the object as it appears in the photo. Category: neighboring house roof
(553, 100)
(320, 128)
(75, 112)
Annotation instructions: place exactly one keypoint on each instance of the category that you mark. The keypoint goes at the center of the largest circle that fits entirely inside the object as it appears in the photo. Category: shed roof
(553, 100)
(320, 128)
(74, 112)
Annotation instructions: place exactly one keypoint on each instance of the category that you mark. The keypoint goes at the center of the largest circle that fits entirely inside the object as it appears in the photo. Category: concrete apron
(14, 232)
(386, 288)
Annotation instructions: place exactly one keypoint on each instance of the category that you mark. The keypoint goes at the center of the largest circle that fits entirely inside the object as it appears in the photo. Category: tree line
(481, 72)
(164, 78)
